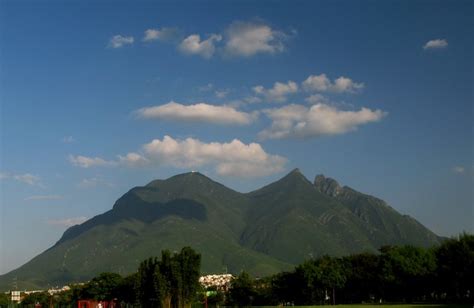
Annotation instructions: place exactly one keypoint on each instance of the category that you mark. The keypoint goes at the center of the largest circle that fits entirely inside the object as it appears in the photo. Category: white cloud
(94, 182)
(200, 112)
(193, 45)
(241, 38)
(298, 121)
(278, 93)
(236, 103)
(316, 99)
(436, 44)
(343, 84)
(206, 88)
(252, 99)
(249, 38)
(163, 34)
(459, 169)
(232, 159)
(87, 162)
(68, 139)
(43, 197)
(221, 93)
(118, 41)
(133, 160)
(321, 83)
(26, 178)
(67, 222)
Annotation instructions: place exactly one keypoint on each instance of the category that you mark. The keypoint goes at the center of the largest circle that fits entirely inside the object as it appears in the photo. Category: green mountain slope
(382, 223)
(295, 221)
(262, 232)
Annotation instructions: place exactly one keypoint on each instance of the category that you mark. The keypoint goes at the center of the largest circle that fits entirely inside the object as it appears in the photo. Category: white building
(220, 282)
(15, 296)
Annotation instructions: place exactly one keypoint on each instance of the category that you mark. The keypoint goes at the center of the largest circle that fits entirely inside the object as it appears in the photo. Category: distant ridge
(264, 231)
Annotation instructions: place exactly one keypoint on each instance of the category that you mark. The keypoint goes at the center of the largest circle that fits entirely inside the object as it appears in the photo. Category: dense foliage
(4, 299)
(397, 274)
(171, 281)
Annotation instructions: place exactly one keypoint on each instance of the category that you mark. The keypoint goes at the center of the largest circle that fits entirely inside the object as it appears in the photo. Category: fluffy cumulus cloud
(26, 178)
(279, 91)
(200, 112)
(298, 121)
(87, 162)
(249, 38)
(321, 83)
(436, 44)
(233, 158)
(193, 45)
(163, 34)
(67, 222)
(118, 41)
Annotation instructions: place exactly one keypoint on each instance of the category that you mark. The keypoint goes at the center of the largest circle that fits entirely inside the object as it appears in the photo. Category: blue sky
(100, 96)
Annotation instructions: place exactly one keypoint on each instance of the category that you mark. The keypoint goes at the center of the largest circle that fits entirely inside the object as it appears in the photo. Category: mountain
(382, 223)
(263, 232)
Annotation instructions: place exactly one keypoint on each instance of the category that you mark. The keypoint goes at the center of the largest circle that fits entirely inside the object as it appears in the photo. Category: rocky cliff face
(327, 186)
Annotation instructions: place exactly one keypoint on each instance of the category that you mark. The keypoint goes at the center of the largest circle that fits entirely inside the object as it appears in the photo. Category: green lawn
(388, 306)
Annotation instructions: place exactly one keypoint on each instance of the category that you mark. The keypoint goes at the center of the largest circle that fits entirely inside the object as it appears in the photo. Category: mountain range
(262, 232)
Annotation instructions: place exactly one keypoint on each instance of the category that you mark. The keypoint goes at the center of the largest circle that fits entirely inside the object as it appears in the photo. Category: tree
(4, 300)
(103, 287)
(64, 298)
(168, 271)
(172, 281)
(241, 292)
(362, 283)
(288, 287)
(188, 271)
(42, 298)
(310, 288)
(126, 290)
(331, 275)
(407, 272)
(150, 284)
(456, 267)
(215, 298)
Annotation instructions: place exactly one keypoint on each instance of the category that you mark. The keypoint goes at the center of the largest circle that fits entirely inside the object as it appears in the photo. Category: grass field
(388, 306)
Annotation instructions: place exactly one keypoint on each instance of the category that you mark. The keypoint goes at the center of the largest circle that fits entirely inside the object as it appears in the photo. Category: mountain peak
(327, 186)
(295, 174)
(296, 170)
(183, 176)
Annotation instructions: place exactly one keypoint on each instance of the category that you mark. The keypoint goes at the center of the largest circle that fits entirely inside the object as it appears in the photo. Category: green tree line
(404, 274)
(442, 274)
